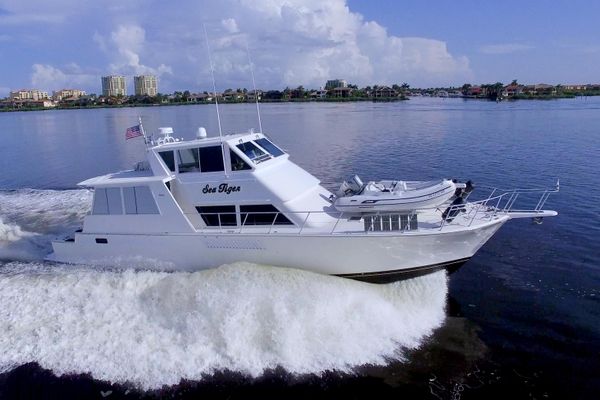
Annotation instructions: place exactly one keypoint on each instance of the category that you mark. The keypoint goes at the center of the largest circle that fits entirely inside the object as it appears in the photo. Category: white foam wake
(30, 219)
(153, 329)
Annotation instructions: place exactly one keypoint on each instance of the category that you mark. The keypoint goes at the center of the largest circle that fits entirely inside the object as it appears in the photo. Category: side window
(169, 158)
(237, 164)
(129, 200)
(211, 159)
(139, 200)
(144, 201)
(270, 147)
(262, 214)
(113, 196)
(215, 215)
(100, 206)
(188, 160)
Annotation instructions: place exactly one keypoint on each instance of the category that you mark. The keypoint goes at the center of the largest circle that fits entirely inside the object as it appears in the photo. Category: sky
(50, 45)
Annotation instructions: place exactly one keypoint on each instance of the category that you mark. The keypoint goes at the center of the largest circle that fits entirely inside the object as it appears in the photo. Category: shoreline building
(336, 83)
(59, 95)
(28, 94)
(145, 85)
(113, 85)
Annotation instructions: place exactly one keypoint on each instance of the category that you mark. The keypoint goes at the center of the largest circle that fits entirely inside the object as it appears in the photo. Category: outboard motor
(351, 187)
(454, 209)
(464, 190)
(469, 187)
(345, 190)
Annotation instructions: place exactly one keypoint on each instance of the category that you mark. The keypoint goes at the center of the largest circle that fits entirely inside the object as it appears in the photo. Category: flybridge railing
(499, 201)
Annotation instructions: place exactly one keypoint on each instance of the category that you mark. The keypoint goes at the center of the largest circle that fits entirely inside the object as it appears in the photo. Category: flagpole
(143, 131)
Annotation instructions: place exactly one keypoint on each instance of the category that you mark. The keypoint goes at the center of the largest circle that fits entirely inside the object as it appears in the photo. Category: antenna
(254, 85)
(212, 74)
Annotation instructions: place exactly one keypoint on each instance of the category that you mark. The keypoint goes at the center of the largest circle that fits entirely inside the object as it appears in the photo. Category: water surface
(521, 318)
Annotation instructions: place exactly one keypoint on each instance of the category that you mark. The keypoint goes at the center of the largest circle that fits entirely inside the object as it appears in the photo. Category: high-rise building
(336, 83)
(145, 85)
(113, 85)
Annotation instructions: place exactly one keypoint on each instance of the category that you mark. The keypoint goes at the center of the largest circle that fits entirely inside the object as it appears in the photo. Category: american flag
(132, 132)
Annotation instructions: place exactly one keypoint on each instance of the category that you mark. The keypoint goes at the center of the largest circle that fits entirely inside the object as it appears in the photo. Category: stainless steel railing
(498, 201)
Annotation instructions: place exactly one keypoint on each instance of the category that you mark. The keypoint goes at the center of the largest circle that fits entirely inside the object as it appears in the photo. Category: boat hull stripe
(405, 273)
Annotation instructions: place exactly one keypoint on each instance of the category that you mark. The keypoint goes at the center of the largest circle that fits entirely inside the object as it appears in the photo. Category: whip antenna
(254, 85)
(212, 74)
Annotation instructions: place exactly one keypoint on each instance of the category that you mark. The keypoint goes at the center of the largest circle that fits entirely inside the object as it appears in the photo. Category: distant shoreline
(329, 100)
(192, 103)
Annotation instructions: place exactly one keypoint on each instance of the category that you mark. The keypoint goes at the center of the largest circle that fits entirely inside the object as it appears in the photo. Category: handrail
(328, 221)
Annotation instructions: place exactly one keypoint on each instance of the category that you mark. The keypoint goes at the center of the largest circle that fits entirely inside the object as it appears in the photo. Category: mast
(212, 74)
(254, 85)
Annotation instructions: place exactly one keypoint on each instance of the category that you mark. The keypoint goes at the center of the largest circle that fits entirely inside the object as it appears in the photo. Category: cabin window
(139, 200)
(237, 164)
(262, 214)
(211, 159)
(107, 201)
(253, 152)
(129, 200)
(100, 206)
(270, 147)
(169, 159)
(113, 195)
(218, 215)
(189, 160)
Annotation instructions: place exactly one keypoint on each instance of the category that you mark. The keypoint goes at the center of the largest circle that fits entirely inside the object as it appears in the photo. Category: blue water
(528, 302)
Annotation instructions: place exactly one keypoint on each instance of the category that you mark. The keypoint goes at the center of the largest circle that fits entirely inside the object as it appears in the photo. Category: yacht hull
(369, 256)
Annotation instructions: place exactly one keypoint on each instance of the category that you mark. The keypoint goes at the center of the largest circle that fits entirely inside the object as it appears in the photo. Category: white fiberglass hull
(358, 256)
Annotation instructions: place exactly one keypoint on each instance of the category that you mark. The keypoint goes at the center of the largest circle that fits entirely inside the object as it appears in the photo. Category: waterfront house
(254, 95)
(579, 88)
(542, 89)
(231, 95)
(384, 92)
(200, 97)
(512, 90)
(318, 94)
(476, 91)
(340, 92)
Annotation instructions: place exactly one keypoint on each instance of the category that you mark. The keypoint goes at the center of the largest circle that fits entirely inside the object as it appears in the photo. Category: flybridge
(229, 153)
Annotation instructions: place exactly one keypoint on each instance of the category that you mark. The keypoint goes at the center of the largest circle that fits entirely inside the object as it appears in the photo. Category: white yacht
(210, 201)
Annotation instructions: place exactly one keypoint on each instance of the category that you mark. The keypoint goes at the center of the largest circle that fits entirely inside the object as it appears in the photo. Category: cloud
(47, 77)
(230, 25)
(292, 42)
(504, 48)
(310, 41)
(583, 48)
(129, 42)
(15, 12)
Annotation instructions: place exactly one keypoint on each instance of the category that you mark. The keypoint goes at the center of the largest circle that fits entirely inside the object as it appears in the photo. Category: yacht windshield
(253, 152)
(270, 147)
